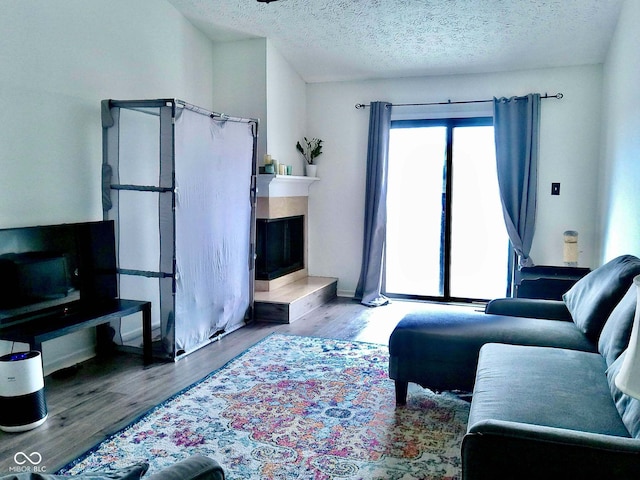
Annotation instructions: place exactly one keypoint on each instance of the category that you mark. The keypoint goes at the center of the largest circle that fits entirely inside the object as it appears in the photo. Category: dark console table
(547, 282)
(76, 317)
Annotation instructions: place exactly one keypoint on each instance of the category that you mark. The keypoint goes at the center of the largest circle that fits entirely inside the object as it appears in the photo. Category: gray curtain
(369, 288)
(517, 124)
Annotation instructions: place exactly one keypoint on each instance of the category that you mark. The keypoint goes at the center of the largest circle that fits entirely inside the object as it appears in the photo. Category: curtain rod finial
(360, 106)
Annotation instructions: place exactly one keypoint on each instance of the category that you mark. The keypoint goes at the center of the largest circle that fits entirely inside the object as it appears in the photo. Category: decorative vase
(311, 170)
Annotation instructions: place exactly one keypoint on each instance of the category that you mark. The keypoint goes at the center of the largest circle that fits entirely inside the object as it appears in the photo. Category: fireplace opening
(279, 246)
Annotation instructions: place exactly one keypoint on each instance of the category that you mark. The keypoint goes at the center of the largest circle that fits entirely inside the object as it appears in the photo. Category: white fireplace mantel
(270, 185)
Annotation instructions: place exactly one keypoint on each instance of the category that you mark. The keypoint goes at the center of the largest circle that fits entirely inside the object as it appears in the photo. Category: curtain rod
(449, 102)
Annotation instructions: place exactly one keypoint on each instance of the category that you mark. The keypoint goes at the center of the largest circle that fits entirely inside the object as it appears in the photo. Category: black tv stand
(78, 316)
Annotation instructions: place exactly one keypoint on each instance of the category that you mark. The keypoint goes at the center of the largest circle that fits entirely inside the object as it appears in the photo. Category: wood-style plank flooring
(104, 395)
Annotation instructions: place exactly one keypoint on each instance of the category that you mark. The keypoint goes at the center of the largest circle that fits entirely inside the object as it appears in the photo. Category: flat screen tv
(54, 268)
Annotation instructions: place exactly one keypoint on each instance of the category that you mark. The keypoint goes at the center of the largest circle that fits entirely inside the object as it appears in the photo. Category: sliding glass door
(445, 233)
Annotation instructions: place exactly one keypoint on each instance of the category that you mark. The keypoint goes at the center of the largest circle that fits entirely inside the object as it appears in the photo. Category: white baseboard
(66, 361)
(346, 293)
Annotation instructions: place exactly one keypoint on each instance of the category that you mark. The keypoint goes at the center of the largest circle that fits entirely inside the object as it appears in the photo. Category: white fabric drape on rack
(213, 218)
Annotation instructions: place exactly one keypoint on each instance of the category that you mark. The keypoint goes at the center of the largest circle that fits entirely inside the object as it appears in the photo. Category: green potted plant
(311, 151)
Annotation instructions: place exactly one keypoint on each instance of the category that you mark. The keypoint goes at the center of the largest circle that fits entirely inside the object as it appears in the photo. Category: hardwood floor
(104, 395)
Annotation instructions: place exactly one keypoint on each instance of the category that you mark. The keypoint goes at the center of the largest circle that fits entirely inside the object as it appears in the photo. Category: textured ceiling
(329, 40)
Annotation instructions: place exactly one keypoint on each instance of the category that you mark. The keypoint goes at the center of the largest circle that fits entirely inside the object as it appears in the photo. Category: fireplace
(284, 291)
(279, 246)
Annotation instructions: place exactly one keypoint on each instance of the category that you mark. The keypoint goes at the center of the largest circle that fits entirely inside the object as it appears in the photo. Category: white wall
(240, 82)
(286, 111)
(620, 175)
(59, 59)
(568, 154)
(252, 79)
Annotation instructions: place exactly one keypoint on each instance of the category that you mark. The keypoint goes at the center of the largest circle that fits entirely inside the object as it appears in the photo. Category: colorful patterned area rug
(295, 407)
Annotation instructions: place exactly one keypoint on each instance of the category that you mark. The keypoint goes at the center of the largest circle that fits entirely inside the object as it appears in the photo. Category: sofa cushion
(592, 299)
(195, 467)
(615, 335)
(628, 407)
(133, 472)
(544, 386)
(530, 308)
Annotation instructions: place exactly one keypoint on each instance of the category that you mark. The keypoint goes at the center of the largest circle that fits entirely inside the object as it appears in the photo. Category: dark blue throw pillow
(592, 299)
(616, 333)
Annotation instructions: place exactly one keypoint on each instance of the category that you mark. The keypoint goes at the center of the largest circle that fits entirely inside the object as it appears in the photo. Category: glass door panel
(479, 241)
(415, 211)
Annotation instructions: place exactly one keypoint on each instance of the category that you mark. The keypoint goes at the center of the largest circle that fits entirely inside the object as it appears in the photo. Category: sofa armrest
(530, 308)
(196, 467)
(502, 449)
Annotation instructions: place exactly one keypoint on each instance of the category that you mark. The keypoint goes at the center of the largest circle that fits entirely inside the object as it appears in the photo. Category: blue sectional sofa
(544, 404)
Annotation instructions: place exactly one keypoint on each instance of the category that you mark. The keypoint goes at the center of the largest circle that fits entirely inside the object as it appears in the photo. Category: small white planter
(311, 170)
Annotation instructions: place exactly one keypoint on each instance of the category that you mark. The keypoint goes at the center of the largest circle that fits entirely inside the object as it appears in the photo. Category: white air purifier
(22, 402)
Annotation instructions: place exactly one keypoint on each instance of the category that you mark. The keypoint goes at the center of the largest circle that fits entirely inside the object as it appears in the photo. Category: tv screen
(53, 266)
(30, 277)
